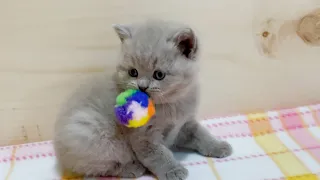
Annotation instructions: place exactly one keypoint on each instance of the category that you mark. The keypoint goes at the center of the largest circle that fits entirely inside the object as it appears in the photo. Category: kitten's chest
(169, 120)
(169, 114)
(170, 133)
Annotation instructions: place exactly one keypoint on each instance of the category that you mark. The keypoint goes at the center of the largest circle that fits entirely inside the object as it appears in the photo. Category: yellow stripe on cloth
(213, 168)
(287, 162)
(303, 177)
(68, 175)
(12, 164)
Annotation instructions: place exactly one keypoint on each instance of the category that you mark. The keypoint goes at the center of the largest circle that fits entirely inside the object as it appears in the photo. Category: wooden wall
(47, 47)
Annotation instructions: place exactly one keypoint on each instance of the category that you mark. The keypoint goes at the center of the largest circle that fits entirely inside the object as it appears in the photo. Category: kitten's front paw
(218, 150)
(133, 170)
(177, 173)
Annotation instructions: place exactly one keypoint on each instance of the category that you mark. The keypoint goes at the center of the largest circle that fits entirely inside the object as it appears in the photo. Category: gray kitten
(159, 58)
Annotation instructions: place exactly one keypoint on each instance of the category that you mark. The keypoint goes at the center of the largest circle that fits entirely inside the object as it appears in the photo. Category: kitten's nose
(143, 88)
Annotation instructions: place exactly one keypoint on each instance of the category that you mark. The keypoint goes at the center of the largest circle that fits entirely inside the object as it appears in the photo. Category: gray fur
(88, 139)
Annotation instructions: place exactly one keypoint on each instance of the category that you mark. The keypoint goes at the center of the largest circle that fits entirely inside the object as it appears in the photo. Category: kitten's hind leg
(133, 169)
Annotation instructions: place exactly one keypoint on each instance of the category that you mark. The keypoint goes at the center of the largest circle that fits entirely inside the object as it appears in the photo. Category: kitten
(159, 58)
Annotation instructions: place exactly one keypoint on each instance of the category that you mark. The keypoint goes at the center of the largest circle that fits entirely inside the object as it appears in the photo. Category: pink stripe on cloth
(316, 112)
(305, 139)
(308, 116)
(230, 128)
(291, 119)
(301, 135)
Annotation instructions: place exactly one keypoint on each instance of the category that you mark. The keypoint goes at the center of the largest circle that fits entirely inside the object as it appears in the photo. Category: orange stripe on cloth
(287, 162)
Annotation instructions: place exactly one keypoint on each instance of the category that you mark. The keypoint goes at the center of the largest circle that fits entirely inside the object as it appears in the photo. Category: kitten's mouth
(147, 94)
(144, 89)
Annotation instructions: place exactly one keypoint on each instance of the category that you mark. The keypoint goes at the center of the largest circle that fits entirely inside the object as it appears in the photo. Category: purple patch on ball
(122, 114)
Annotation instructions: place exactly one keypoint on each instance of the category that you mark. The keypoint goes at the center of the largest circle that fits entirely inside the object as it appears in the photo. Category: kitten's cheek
(122, 75)
(155, 99)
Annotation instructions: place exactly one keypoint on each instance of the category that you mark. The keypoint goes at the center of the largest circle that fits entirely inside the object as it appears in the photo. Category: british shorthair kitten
(159, 58)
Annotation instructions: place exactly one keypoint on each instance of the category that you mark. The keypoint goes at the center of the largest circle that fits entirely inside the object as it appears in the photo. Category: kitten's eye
(158, 75)
(133, 72)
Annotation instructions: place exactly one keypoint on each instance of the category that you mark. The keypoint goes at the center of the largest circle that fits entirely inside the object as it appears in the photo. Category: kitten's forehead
(149, 58)
(150, 52)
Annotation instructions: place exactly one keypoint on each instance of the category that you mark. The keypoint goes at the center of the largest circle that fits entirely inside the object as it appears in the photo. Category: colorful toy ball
(134, 108)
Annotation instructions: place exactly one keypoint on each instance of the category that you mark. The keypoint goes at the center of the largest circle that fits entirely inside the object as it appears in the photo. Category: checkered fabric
(273, 145)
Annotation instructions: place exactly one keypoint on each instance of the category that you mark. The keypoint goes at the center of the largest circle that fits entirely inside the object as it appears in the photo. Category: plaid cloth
(274, 145)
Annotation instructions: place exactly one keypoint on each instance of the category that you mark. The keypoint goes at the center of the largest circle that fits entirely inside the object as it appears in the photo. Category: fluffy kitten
(159, 58)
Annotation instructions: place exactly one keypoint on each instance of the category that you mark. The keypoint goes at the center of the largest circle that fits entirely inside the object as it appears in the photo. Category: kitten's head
(158, 58)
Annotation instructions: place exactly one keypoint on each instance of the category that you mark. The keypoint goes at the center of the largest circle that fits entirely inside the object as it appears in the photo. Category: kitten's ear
(186, 42)
(123, 31)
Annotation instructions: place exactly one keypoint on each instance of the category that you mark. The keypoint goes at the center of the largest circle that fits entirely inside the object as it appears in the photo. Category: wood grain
(48, 47)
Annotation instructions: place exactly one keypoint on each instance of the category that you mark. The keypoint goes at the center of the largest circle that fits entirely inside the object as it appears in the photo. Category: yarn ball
(134, 108)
